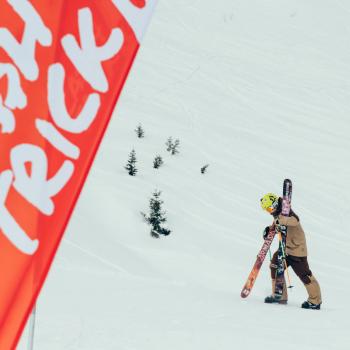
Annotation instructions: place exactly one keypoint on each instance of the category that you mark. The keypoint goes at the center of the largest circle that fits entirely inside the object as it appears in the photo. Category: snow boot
(275, 298)
(307, 305)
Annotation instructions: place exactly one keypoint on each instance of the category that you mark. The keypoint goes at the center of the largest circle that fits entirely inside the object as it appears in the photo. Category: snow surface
(260, 90)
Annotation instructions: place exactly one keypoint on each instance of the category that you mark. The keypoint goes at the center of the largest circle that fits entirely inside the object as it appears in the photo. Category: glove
(266, 232)
(282, 229)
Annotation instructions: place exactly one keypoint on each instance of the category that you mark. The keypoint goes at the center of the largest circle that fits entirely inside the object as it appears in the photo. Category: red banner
(62, 66)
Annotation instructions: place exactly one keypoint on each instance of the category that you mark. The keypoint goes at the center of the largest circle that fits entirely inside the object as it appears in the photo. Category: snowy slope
(260, 90)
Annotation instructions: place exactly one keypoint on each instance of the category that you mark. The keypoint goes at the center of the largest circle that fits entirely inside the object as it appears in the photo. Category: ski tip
(245, 293)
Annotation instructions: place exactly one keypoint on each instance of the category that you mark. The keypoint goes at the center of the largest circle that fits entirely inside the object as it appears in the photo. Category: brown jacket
(296, 243)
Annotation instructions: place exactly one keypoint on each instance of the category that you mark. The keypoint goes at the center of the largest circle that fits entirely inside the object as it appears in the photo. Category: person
(295, 252)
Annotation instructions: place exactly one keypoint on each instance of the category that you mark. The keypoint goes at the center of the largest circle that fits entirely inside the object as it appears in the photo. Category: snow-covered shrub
(131, 165)
(157, 162)
(140, 132)
(156, 218)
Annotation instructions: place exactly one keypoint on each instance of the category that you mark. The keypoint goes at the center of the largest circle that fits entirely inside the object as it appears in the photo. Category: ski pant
(301, 268)
(299, 265)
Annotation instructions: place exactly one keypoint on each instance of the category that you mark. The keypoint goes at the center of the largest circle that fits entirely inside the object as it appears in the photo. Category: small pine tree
(156, 218)
(204, 168)
(131, 165)
(172, 147)
(157, 162)
(140, 132)
(175, 148)
(169, 144)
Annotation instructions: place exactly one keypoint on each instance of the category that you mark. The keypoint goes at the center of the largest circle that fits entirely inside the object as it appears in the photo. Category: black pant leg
(301, 268)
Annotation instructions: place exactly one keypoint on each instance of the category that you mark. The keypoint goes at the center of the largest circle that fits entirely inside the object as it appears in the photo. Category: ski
(282, 233)
(258, 263)
(287, 197)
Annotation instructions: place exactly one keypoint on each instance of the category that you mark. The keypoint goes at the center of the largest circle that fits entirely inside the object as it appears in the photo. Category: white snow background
(260, 90)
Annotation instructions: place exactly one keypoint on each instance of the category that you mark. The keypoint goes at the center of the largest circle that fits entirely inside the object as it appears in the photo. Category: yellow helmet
(269, 202)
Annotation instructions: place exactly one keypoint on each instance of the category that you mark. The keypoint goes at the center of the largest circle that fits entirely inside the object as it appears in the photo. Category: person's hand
(266, 232)
(281, 228)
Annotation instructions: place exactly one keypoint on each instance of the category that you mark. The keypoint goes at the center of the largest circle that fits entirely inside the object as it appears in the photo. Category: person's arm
(287, 220)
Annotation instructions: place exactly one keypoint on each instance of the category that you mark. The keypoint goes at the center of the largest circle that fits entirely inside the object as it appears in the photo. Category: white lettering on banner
(88, 58)
(7, 119)
(49, 132)
(57, 105)
(136, 17)
(16, 98)
(36, 188)
(23, 54)
(8, 224)
(29, 168)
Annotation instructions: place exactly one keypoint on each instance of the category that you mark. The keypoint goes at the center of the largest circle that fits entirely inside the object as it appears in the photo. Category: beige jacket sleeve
(287, 220)
(295, 241)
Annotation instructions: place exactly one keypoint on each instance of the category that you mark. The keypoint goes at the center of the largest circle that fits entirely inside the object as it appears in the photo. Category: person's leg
(273, 269)
(301, 267)
(314, 291)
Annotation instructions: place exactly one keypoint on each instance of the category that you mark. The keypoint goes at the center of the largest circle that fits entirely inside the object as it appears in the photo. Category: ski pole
(284, 259)
(274, 228)
(31, 329)
(288, 277)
